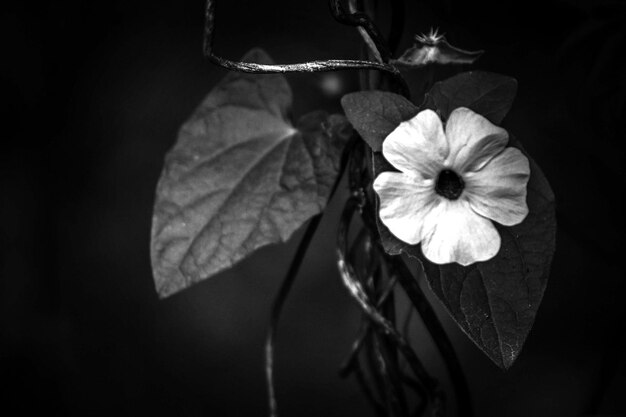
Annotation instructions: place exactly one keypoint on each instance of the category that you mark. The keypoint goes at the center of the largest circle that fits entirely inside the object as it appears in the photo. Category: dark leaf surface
(494, 302)
(485, 93)
(239, 177)
(375, 114)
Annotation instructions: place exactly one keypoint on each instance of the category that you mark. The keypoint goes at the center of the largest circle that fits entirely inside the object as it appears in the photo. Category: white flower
(451, 185)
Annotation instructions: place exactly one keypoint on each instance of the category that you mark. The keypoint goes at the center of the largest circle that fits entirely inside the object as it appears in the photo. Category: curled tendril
(360, 175)
(429, 387)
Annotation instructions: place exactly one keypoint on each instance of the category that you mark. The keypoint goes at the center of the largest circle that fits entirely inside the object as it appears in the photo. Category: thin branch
(373, 38)
(287, 283)
(362, 20)
(356, 246)
(372, 269)
(379, 351)
(350, 362)
(396, 27)
(391, 381)
(422, 402)
(407, 321)
(371, 360)
(399, 269)
(312, 66)
(277, 309)
(430, 385)
(421, 304)
(388, 358)
(367, 391)
(352, 6)
(391, 353)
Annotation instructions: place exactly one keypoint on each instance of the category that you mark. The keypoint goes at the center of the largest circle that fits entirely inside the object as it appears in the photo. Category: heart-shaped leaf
(239, 177)
(375, 114)
(494, 302)
(485, 93)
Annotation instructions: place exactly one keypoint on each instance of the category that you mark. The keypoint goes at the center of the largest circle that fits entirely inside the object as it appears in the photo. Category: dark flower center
(449, 184)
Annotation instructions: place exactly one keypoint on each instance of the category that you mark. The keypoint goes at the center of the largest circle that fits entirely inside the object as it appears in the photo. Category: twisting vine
(371, 288)
(310, 66)
(285, 287)
(429, 387)
(361, 175)
(362, 21)
(399, 269)
(360, 178)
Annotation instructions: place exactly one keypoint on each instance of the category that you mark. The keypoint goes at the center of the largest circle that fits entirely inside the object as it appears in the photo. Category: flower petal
(498, 191)
(418, 145)
(473, 140)
(459, 235)
(404, 202)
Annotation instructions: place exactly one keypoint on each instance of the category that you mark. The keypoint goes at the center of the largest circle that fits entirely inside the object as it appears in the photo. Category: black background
(93, 95)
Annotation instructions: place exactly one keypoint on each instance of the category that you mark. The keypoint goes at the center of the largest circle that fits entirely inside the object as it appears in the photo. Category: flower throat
(449, 184)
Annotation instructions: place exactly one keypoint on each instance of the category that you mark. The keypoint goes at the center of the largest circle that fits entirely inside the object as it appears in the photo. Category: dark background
(93, 95)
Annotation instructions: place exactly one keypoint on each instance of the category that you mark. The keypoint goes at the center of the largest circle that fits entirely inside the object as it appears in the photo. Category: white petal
(473, 140)
(404, 202)
(459, 235)
(417, 145)
(498, 191)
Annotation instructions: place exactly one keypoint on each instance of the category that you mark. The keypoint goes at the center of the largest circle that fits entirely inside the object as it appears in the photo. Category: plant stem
(312, 66)
(389, 354)
(290, 277)
(373, 38)
(351, 361)
(367, 391)
(391, 384)
(277, 307)
(429, 386)
(399, 269)
(366, 27)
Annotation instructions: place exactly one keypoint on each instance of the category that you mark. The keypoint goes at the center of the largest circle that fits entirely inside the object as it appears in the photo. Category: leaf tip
(166, 286)
(347, 101)
(508, 358)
